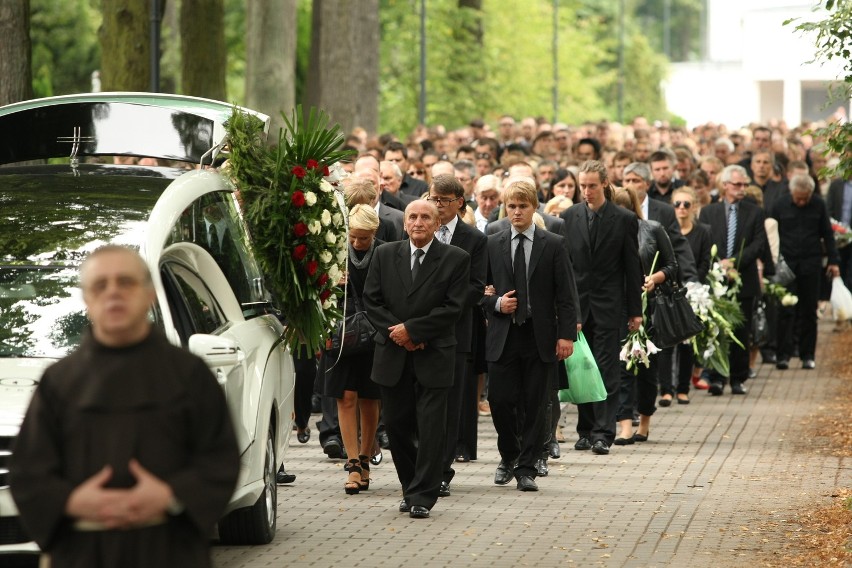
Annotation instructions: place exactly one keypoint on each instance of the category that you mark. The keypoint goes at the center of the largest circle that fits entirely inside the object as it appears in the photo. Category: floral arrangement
(637, 346)
(715, 303)
(296, 215)
(780, 293)
(842, 233)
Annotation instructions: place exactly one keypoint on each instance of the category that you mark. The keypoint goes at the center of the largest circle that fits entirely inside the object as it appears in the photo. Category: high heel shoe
(353, 486)
(365, 472)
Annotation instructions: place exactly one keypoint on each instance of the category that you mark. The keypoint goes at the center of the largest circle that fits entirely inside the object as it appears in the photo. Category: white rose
(341, 254)
(334, 273)
(314, 227)
(325, 217)
(330, 238)
(311, 198)
(326, 187)
(329, 303)
(337, 219)
(325, 257)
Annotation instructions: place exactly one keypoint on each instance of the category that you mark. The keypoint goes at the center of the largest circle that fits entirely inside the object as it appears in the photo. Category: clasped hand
(120, 508)
(400, 336)
(508, 302)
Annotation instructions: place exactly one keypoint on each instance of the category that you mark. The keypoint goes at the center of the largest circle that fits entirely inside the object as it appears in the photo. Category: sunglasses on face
(684, 204)
(416, 173)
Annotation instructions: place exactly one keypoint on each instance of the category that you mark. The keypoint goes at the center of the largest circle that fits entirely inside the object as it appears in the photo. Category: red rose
(299, 172)
(300, 229)
(324, 295)
(325, 171)
(300, 252)
(312, 164)
(298, 198)
(311, 267)
(322, 280)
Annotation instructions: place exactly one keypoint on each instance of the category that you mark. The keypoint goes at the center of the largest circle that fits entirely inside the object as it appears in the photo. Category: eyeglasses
(442, 201)
(417, 173)
(685, 204)
(483, 156)
(740, 184)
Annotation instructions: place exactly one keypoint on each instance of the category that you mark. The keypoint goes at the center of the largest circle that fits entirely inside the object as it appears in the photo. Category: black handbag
(353, 335)
(784, 275)
(673, 320)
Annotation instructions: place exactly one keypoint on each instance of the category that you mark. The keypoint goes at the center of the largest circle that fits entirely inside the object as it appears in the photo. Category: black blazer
(390, 200)
(551, 284)
(609, 275)
(470, 240)
(413, 186)
(390, 224)
(699, 242)
(664, 214)
(429, 308)
(551, 223)
(834, 199)
(751, 238)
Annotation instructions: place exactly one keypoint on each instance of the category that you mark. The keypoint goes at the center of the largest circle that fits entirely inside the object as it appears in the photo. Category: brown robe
(102, 406)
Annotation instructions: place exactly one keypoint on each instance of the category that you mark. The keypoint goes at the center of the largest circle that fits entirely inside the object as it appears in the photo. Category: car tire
(256, 524)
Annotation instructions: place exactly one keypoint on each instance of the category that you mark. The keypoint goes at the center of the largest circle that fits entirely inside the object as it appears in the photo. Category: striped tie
(732, 229)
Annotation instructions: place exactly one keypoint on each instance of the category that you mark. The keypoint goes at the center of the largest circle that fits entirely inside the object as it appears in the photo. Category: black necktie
(520, 270)
(593, 228)
(415, 268)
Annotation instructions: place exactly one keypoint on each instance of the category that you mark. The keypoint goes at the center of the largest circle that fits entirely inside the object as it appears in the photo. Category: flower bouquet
(780, 293)
(637, 346)
(296, 215)
(842, 233)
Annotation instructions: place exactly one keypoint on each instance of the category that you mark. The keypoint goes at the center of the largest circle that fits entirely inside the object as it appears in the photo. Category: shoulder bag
(673, 320)
(352, 335)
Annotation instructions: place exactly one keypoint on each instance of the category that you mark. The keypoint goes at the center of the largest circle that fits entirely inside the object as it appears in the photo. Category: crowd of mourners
(756, 196)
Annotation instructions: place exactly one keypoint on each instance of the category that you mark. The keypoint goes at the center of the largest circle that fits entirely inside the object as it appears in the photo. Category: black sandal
(353, 486)
(364, 469)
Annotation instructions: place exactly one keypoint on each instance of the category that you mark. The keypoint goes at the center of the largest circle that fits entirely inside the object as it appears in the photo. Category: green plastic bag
(584, 378)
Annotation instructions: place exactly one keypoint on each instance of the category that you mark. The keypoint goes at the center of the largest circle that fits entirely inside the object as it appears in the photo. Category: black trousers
(415, 420)
(685, 365)
(639, 390)
(519, 386)
(806, 287)
(596, 420)
(455, 400)
(664, 372)
(305, 366)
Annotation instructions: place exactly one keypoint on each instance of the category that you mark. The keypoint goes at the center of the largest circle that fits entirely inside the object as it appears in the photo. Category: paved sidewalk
(696, 494)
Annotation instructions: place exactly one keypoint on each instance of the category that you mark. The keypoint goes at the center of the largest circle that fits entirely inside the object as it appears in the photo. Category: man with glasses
(737, 230)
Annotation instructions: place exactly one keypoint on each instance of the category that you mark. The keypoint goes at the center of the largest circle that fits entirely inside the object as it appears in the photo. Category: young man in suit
(532, 324)
(416, 291)
(447, 193)
(737, 230)
(603, 242)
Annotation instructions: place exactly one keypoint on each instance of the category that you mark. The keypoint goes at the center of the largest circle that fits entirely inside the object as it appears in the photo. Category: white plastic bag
(841, 300)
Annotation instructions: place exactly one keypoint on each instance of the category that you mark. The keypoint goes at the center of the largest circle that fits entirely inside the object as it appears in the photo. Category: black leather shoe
(768, 357)
(782, 364)
(738, 388)
(527, 483)
(640, 437)
(304, 436)
(808, 364)
(384, 442)
(583, 444)
(553, 450)
(716, 388)
(284, 477)
(624, 441)
(316, 404)
(334, 449)
(444, 490)
(600, 448)
(503, 475)
(541, 467)
(404, 507)
(418, 512)
(377, 458)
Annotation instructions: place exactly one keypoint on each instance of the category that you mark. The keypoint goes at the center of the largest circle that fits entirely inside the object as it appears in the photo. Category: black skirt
(350, 373)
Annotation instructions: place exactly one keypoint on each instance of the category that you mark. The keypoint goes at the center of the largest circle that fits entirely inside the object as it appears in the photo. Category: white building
(756, 69)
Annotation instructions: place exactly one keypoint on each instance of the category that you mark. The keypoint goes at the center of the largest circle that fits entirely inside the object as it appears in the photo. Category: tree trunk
(125, 45)
(271, 59)
(16, 80)
(343, 77)
(202, 48)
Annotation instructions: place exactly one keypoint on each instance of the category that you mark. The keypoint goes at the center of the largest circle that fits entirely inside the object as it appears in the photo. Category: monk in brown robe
(127, 455)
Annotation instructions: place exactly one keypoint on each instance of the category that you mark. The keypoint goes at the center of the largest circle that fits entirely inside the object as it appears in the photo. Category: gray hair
(488, 182)
(802, 183)
(725, 176)
(641, 169)
(466, 165)
(397, 173)
(726, 142)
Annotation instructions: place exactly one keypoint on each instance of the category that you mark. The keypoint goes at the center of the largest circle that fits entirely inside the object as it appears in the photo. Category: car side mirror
(217, 351)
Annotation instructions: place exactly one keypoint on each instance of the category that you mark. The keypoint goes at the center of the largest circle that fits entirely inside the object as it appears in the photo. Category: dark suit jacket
(470, 240)
(429, 308)
(751, 239)
(834, 199)
(413, 186)
(390, 224)
(551, 285)
(609, 275)
(391, 200)
(664, 214)
(551, 223)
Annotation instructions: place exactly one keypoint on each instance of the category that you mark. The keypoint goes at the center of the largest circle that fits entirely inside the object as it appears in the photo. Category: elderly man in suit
(390, 212)
(838, 203)
(416, 291)
(603, 242)
(737, 230)
(532, 324)
(447, 193)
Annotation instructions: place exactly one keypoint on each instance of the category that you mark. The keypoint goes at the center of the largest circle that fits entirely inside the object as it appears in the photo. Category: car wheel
(256, 524)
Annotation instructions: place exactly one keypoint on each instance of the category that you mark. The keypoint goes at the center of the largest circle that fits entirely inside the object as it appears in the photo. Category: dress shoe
(683, 398)
(284, 477)
(699, 384)
(600, 447)
(666, 402)
(583, 444)
(384, 441)
(541, 467)
(782, 364)
(808, 364)
(768, 356)
(316, 404)
(553, 450)
(333, 449)
(304, 436)
(716, 388)
(503, 475)
(444, 490)
(527, 483)
(418, 512)
(641, 437)
(738, 388)
(623, 441)
(404, 507)
(752, 373)
(377, 458)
